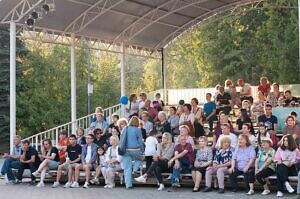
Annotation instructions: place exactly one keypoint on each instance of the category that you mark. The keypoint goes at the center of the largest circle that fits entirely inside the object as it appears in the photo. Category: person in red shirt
(264, 86)
(62, 145)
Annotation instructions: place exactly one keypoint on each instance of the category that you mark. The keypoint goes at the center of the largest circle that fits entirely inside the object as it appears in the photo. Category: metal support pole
(12, 89)
(163, 77)
(122, 66)
(73, 84)
(89, 80)
(299, 33)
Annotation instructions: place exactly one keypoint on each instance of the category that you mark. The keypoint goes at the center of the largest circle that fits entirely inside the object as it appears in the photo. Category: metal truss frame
(200, 19)
(88, 16)
(62, 38)
(22, 9)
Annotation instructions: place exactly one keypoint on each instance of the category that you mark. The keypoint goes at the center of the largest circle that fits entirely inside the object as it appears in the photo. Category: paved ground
(26, 191)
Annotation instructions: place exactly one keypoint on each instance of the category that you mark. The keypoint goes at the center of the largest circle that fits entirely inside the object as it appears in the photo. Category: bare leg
(59, 171)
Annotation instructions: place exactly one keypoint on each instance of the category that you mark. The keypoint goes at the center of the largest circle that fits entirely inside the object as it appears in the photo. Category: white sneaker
(55, 184)
(288, 187)
(68, 185)
(36, 174)
(161, 187)
(250, 192)
(75, 185)
(108, 187)
(40, 184)
(265, 192)
(86, 185)
(140, 179)
(279, 194)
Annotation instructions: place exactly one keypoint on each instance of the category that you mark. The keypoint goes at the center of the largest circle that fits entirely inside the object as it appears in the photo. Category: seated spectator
(158, 104)
(142, 99)
(235, 96)
(80, 136)
(210, 110)
(264, 86)
(188, 118)
(273, 96)
(63, 142)
(226, 133)
(114, 123)
(246, 91)
(150, 148)
(100, 163)
(246, 131)
(122, 123)
(99, 124)
(112, 159)
(88, 158)
(12, 161)
(152, 112)
(198, 113)
(267, 119)
(228, 85)
(179, 111)
(243, 119)
(131, 160)
(264, 165)
(184, 130)
(98, 110)
(29, 159)
(217, 87)
(223, 101)
(243, 164)
(258, 106)
(281, 99)
(294, 115)
(133, 106)
(289, 99)
(73, 154)
(147, 125)
(162, 125)
(50, 160)
(291, 128)
(204, 157)
(165, 151)
(262, 134)
(100, 138)
(221, 163)
(182, 161)
(247, 106)
(286, 160)
(173, 121)
(115, 131)
(223, 119)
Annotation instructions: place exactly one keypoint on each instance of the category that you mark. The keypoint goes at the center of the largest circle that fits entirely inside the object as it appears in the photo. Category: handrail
(84, 122)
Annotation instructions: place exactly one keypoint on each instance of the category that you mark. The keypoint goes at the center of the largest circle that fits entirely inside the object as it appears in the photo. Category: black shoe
(234, 190)
(207, 189)
(172, 189)
(221, 190)
(32, 182)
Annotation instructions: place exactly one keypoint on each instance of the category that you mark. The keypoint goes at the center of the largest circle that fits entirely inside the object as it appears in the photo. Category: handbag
(123, 143)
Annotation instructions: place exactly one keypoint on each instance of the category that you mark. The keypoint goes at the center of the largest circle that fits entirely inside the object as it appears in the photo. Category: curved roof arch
(146, 24)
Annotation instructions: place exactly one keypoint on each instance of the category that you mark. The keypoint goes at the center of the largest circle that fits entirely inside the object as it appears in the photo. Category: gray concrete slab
(31, 192)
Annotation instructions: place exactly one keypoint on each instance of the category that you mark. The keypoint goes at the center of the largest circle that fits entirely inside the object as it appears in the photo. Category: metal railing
(83, 122)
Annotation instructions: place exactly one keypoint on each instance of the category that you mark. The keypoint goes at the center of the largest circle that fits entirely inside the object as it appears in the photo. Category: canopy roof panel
(150, 24)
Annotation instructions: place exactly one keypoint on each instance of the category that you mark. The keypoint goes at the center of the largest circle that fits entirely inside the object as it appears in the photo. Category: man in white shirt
(245, 91)
(226, 132)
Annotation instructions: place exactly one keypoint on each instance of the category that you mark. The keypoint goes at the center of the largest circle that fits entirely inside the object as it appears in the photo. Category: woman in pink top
(286, 159)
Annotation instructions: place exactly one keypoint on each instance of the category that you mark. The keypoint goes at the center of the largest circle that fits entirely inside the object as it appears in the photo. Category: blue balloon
(124, 100)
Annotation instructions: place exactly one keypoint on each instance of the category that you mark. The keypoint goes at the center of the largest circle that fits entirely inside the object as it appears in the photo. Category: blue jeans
(9, 164)
(131, 160)
(185, 167)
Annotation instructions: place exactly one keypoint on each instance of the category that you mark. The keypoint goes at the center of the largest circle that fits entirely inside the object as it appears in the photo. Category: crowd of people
(174, 141)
